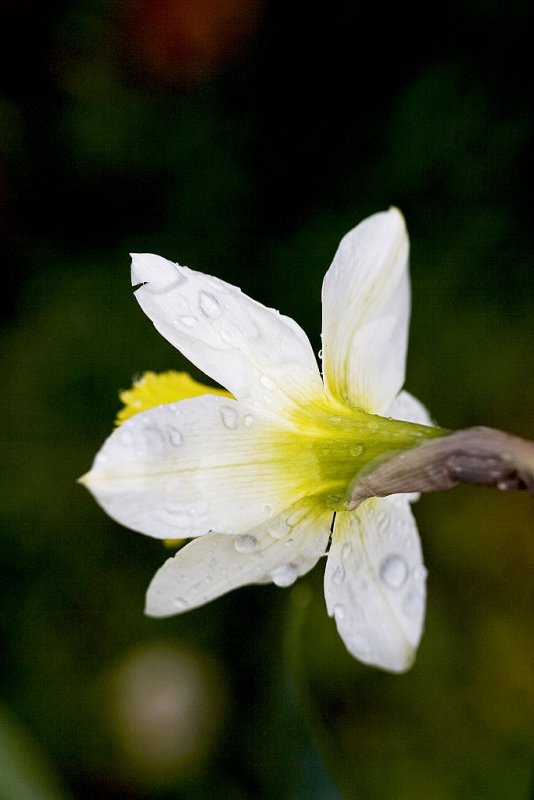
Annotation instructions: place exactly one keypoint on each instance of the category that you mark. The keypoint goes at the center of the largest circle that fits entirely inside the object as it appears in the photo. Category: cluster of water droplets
(261, 548)
(285, 575)
(391, 569)
(222, 318)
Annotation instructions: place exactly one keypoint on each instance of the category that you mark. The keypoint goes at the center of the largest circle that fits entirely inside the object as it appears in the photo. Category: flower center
(333, 443)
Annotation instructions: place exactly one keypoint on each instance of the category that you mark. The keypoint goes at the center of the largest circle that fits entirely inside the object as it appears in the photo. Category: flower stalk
(479, 456)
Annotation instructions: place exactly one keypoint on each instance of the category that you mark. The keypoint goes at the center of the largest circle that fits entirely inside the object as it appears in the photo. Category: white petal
(366, 308)
(217, 563)
(257, 354)
(408, 408)
(207, 463)
(375, 582)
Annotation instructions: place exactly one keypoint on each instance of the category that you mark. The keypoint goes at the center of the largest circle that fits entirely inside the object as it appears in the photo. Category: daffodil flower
(260, 476)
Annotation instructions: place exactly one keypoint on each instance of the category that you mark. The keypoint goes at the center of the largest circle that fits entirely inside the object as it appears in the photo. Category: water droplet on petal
(249, 419)
(267, 382)
(279, 528)
(345, 552)
(339, 575)
(320, 354)
(226, 337)
(285, 575)
(229, 418)
(179, 603)
(175, 437)
(268, 509)
(209, 305)
(188, 321)
(245, 543)
(419, 574)
(394, 571)
(356, 449)
(339, 612)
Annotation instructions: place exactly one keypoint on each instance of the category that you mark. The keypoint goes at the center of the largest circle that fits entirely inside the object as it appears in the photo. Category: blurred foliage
(244, 138)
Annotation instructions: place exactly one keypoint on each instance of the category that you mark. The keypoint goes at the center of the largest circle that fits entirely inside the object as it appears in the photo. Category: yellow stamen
(153, 389)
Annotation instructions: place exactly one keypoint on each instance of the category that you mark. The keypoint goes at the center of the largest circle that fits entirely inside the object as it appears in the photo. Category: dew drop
(209, 305)
(226, 337)
(279, 528)
(346, 550)
(356, 449)
(188, 321)
(339, 612)
(268, 509)
(339, 575)
(249, 419)
(394, 571)
(267, 382)
(179, 603)
(295, 517)
(175, 437)
(419, 574)
(285, 575)
(320, 354)
(229, 418)
(245, 543)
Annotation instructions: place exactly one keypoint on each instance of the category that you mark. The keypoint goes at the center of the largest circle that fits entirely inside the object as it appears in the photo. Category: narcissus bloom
(259, 475)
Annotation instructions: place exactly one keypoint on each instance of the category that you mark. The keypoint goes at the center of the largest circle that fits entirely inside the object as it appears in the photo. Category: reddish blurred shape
(185, 42)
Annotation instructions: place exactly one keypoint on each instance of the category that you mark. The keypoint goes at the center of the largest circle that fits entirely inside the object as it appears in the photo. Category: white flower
(261, 478)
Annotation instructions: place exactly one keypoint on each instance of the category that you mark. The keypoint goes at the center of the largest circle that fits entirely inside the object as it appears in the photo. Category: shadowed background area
(244, 138)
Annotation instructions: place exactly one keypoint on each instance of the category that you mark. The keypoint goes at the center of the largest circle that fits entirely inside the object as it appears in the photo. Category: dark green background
(249, 161)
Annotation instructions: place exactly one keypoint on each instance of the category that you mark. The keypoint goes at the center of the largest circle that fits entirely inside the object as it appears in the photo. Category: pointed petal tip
(153, 269)
(84, 479)
(396, 213)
